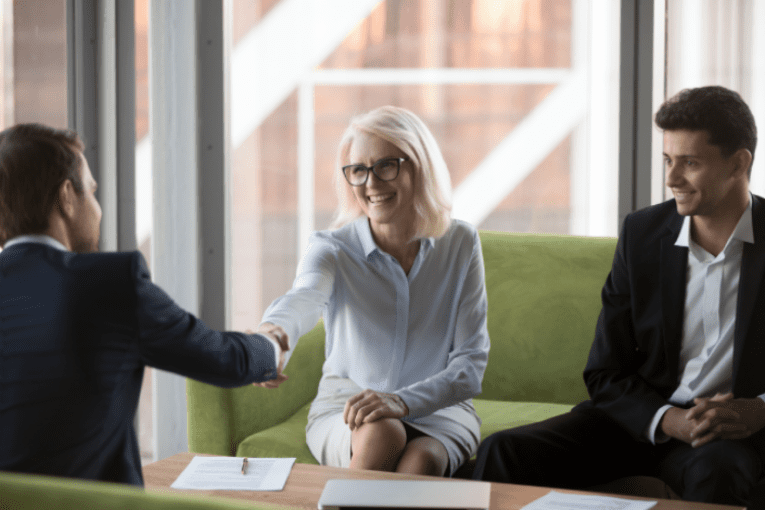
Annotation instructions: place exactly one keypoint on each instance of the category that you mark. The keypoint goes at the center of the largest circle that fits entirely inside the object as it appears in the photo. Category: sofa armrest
(31, 492)
(219, 419)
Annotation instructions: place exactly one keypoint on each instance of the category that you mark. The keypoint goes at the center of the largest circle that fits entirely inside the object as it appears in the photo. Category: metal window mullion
(214, 200)
(125, 116)
(101, 107)
(635, 105)
(82, 83)
(175, 237)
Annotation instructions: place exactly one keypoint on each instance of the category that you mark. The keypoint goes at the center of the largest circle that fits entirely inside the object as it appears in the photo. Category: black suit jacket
(76, 331)
(633, 365)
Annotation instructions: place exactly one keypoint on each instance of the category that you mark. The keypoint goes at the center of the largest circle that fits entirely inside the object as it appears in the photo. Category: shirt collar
(365, 236)
(744, 230)
(368, 243)
(36, 238)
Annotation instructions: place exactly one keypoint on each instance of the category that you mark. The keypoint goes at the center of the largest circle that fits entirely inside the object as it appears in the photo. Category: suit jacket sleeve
(174, 340)
(627, 346)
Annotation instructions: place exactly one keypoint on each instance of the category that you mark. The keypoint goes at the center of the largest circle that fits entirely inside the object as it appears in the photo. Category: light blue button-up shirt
(422, 336)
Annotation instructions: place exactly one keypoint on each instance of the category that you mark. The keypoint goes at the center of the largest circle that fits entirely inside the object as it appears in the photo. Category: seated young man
(675, 373)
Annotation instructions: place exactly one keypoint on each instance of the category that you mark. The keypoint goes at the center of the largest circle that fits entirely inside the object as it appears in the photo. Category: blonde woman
(401, 288)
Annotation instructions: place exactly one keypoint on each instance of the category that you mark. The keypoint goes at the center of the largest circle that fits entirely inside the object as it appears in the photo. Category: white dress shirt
(709, 320)
(35, 238)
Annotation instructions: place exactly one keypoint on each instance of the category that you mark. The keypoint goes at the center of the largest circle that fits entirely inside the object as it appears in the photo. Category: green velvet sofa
(29, 492)
(544, 300)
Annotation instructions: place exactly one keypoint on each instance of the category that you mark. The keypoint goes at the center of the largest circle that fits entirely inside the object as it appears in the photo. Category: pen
(244, 466)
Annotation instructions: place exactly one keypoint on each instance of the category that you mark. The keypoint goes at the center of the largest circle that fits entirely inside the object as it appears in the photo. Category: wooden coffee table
(306, 482)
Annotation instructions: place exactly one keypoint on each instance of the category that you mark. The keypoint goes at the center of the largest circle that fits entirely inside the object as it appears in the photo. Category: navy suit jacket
(633, 366)
(76, 331)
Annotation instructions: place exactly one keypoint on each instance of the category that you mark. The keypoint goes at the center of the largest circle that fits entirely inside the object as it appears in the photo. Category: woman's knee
(380, 443)
(386, 430)
(424, 455)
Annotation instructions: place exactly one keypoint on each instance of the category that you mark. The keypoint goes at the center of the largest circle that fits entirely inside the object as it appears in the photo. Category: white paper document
(225, 473)
(561, 501)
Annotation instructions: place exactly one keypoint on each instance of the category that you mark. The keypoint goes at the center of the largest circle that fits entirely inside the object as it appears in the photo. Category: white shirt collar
(744, 230)
(35, 238)
(368, 243)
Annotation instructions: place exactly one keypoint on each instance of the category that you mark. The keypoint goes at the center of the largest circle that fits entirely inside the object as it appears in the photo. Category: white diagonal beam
(441, 76)
(521, 152)
(293, 39)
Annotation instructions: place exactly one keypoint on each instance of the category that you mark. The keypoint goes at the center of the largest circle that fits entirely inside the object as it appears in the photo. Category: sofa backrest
(30, 492)
(544, 301)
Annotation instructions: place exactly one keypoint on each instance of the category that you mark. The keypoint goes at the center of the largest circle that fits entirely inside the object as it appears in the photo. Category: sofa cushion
(497, 415)
(288, 438)
(284, 440)
(544, 301)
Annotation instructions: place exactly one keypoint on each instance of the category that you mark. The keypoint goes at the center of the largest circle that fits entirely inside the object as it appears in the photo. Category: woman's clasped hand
(370, 405)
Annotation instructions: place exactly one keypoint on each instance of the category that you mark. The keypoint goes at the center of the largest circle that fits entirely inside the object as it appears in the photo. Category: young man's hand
(712, 418)
(278, 335)
(725, 417)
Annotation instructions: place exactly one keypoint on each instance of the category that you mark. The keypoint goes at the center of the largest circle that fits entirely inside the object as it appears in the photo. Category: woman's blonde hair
(432, 184)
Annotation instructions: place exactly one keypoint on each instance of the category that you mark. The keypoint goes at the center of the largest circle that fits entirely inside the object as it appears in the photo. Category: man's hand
(675, 424)
(725, 417)
(277, 334)
(718, 417)
(369, 406)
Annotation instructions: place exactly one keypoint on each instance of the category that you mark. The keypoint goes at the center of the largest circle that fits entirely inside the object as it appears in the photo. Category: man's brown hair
(35, 160)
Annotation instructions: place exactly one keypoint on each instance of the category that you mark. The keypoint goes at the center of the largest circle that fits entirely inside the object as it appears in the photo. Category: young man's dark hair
(34, 161)
(718, 111)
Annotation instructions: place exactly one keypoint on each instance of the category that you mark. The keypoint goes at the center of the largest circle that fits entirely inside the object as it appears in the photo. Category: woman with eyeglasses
(401, 287)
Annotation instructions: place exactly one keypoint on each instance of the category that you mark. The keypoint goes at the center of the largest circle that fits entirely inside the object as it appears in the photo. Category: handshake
(278, 335)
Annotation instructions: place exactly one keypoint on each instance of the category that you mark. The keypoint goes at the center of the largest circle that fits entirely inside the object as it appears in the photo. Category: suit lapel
(673, 270)
(752, 270)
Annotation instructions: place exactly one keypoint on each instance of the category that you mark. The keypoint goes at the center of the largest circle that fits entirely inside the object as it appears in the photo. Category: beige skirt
(457, 427)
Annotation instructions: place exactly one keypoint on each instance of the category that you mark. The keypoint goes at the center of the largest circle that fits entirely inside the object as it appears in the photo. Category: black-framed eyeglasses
(386, 169)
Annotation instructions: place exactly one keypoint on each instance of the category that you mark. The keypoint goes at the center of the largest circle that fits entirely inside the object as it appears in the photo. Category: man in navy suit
(78, 327)
(676, 373)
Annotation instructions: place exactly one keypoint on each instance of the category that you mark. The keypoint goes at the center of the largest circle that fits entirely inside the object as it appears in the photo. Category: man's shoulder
(663, 210)
(656, 220)
(88, 265)
(122, 261)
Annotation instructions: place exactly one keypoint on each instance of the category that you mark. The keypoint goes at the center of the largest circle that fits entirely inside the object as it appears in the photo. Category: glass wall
(143, 201)
(33, 63)
(522, 97)
(716, 42)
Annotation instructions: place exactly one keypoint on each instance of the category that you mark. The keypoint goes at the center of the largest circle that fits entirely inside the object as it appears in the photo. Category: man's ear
(742, 160)
(65, 200)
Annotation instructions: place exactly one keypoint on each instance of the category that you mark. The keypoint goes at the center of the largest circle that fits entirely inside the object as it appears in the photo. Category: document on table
(225, 473)
(562, 501)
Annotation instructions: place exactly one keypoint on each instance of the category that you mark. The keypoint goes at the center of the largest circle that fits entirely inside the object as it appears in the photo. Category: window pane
(522, 97)
(718, 42)
(33, 53)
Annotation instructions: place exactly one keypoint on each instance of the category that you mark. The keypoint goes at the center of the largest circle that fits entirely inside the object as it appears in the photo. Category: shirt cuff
(277, 351)
(656, 436)
(761, 397)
